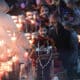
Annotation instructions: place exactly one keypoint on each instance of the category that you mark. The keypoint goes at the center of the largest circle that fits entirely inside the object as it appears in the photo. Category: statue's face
(44, 10)
(35, 15)
(52, 19)
(55, 2)
(29, 15)
(43, 32)
(32, 16)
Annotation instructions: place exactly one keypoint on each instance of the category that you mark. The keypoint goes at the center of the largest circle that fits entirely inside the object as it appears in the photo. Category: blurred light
(38, 2)
(26, 54)
(78, 38)
(2, 42)
(8, 31)
(6, 67)
(28, 36)
(22, 5)
(1, 72)
(13, 38)
(15, 58)
(15, 18)
(31, 41)
(19, 25)
(3, 57)
(32, 21)
(9, 50)
(33, 36)
(9, 63)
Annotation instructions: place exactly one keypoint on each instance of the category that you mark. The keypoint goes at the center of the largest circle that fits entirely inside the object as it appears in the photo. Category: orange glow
(12, 43)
